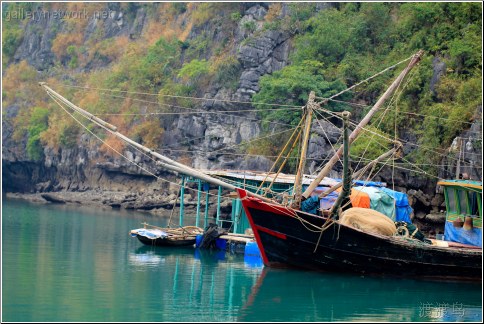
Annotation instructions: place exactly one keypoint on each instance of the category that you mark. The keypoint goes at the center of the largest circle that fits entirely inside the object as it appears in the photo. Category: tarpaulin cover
(358, 198)
(151, 233)
(328, 201)
(380, 201)
(403, 207)
(461, 235)
(363, 183)
(384, 201)
(310, 205)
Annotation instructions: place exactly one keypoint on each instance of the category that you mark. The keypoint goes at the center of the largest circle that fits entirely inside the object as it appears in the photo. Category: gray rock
(435, 218)
(53, 198)
(438, 70)
(420, 215)
(37, 41)
(139, 23)
(437, 200)
(420, 196)
(258, 12)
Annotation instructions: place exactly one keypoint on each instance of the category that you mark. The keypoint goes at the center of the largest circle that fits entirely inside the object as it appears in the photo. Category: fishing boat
(158, 236)
(288, 235)
(463, 200)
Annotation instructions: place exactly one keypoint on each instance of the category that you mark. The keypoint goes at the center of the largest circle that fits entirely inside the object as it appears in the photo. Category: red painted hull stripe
(271, 232)
(243, 196)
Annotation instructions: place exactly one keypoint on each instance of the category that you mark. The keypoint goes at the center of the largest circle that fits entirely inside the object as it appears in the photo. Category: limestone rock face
(210, 139)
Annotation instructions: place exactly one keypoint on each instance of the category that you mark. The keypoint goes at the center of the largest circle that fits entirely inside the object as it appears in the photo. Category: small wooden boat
(158, 236)
(463, 200)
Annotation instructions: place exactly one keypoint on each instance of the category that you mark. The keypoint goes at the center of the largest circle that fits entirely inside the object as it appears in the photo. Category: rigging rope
(403, 112)
(182, 97)
(366, 80)
(116, 151)
(280, 154)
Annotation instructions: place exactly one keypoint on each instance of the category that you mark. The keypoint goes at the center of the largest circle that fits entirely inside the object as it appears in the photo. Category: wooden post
(362, 124)
(205, 221)
(457, 169)
(219, 194)
(182, 200)
(199, 195)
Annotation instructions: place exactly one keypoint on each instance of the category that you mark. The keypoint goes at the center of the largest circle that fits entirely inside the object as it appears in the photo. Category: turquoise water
(73, 264)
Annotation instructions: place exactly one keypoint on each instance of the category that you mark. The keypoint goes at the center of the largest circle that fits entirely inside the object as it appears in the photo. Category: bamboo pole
(324, 172)
(164, 161)
(305, 141)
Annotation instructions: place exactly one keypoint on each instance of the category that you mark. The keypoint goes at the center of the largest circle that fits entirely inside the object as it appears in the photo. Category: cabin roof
(462, 183)
(281, 178)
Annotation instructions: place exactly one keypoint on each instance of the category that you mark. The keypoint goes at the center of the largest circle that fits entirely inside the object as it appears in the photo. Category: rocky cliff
(208, 140)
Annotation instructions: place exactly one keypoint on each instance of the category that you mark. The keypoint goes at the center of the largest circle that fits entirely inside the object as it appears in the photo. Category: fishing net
(368, 220)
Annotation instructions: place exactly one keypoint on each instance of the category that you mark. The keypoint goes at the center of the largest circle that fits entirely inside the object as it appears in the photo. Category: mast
(324, 172)
(302, 162)
(345, 193)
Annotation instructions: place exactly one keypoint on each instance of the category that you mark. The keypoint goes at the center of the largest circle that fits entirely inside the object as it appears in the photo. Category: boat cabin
(463, 200)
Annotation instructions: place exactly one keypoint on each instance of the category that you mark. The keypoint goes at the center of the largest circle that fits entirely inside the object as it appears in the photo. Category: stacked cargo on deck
(372, 195)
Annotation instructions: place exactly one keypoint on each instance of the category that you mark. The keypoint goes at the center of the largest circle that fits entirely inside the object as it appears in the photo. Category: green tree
(38, 123)
(194, 70)
(291, 86)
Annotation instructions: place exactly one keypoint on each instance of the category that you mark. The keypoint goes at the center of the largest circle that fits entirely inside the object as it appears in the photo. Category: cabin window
(462, 201)
(451, 200)
(473, 203)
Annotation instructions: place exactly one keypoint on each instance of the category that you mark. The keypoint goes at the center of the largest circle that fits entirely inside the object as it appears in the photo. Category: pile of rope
(368, 220)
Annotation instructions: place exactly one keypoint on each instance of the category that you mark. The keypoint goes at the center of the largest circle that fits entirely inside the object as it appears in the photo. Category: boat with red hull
(289, 237)
(297, 233)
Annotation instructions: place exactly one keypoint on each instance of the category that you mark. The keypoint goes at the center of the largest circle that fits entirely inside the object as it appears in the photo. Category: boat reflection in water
(237, 288)
(193, 284)
(290, 295)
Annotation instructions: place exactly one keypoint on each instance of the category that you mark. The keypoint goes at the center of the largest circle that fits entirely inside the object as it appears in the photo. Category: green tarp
(380, 201)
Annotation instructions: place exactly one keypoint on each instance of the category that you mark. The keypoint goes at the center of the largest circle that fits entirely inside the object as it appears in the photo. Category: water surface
(74, 264)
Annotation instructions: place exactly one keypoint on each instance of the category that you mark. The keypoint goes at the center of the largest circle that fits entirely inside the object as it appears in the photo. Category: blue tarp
(460, 235)
(328, 201)
(363, 183)
(400, 200)
(403, 210)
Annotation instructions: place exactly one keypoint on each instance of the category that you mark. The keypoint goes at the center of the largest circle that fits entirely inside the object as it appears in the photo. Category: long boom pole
(324, 172)
(164, 161)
